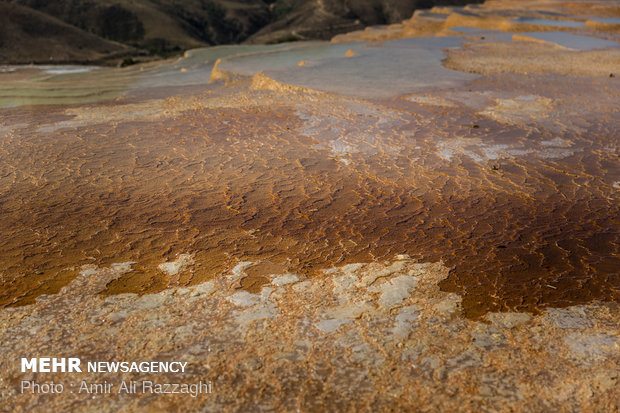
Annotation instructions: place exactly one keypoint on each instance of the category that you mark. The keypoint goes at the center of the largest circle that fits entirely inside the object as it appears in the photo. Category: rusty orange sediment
(429, 223)
(270, 185)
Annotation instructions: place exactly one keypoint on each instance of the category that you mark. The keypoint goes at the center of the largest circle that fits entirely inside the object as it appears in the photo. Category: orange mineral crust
(416, 217)
(525, 217)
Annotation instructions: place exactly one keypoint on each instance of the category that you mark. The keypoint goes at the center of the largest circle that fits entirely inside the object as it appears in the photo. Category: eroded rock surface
(373, 336)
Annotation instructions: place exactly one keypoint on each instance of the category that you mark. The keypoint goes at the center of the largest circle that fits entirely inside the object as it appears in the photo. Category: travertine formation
(422, 216)
(363, 337)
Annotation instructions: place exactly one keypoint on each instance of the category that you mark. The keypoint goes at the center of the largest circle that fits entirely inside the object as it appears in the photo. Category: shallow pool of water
(572, 41)
(548, 22)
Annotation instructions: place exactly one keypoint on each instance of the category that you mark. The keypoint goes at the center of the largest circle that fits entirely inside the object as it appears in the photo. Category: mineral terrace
(415, 217)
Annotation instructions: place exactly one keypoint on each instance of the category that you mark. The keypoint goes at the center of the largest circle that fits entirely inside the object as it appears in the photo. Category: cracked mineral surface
(361, 337)
(423, 216)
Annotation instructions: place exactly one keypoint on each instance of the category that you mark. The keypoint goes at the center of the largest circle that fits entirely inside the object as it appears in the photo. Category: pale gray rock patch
(351, 311)
(88, 270)
(508, 320)
(331, 325)
(468, 358)
(573, 318)
(303, 286)
(205, 288)
(244, 299)
(405, 321)
(150, 301)
(395, 291)
(175, 267)
(595, 346)
(334, 317)
(259, 312)
(487, 337)
(239, 269)
(285, 279)
(344, 284)
(448, 305)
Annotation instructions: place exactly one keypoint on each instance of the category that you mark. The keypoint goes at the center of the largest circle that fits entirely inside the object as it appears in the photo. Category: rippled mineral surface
(423, 216)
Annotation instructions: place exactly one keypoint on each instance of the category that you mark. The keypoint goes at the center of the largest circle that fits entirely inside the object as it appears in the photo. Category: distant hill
(160, 26)
(28, 36)
(323, 19)
(103, 30)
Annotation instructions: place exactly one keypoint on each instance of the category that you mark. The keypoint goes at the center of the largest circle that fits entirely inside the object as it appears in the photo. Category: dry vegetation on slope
(27, 36)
